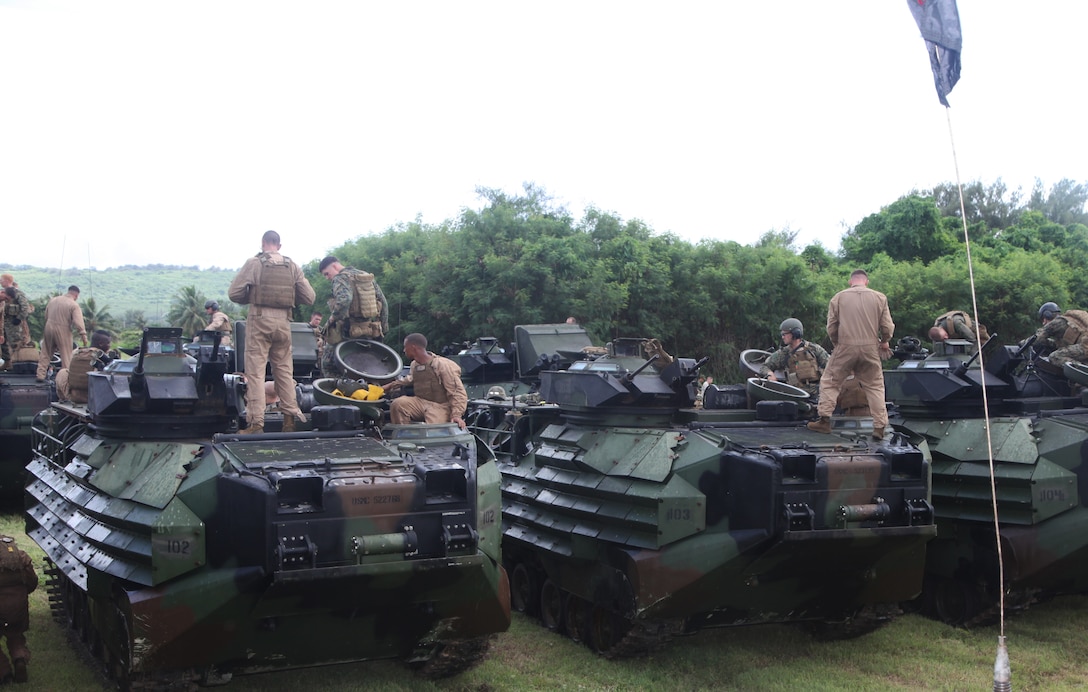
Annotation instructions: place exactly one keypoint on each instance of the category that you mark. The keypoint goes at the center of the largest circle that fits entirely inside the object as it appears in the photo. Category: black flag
(939, 22)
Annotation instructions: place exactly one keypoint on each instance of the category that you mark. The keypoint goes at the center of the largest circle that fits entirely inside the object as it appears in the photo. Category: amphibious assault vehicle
(21, 396)
(486, 364)
(179, 550)
(1038, 429)
(629, 516)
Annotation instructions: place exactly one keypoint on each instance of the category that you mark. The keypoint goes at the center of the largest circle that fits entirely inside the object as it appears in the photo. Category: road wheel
(956, 601)
(524, 590)
(551, 605)
(606, 629)
(577, 617)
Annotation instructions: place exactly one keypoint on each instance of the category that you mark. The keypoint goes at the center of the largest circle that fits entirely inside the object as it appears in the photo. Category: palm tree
(134, 319)
(37, 316)
(187, 311)
(95, 317)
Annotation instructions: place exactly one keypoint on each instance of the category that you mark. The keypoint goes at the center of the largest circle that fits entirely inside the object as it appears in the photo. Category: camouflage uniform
(957, 324)
(440, 395)
(274, 284)
(15, 326)
(1067, 334)
(17, 580)
(349, 319)
(319, 336)
(804, 365)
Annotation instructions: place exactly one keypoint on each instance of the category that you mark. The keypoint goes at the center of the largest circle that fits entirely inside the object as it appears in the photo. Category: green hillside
(148, 289)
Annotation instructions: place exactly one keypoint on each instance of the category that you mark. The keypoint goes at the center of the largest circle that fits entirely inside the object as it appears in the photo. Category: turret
(164, 392)
(635, 376)
(949, 381)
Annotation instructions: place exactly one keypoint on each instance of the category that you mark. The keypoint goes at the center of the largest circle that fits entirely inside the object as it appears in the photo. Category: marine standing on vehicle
(14, 324)
(803, 361)
(62, 314)
(24, 307)
(358, 308)
(273, 285)
(860, 327)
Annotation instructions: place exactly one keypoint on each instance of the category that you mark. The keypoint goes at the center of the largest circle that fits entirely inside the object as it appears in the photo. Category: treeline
(121, 300)
(522, 259)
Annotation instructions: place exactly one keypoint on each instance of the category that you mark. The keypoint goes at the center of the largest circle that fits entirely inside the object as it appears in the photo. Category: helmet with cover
(792, 326)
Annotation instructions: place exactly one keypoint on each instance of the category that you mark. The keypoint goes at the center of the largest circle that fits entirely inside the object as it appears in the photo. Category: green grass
(1048, 648)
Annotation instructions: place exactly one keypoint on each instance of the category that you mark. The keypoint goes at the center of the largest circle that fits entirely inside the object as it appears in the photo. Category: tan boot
(288, 423)
(255, 429)
(878, 434)
(821, 425)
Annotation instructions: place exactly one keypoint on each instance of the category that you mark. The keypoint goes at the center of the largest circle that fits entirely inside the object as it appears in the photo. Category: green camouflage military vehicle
(486, 365)
(21, 397)
(1039, 432)
(179, 551)
(629, 516)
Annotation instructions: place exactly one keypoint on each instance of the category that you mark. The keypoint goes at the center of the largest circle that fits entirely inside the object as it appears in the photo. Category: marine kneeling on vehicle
(440, 396)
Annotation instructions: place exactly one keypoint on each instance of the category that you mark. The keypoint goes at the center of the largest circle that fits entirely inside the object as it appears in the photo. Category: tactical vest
(12, 564)
(1076, 331)
(946, 318)
(428, 383)
(364, 313)
(83, 361)
(276, 284)
(802, 366)
(11, 309)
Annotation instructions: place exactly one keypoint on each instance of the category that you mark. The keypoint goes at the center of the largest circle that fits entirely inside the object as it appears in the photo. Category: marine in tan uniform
(62, 315)
(440, 396)
(72, 384)
(860, 327)
(218, 321)
(272, 285)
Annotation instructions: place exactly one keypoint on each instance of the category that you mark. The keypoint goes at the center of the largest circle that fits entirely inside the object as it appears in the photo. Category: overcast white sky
(139, 132)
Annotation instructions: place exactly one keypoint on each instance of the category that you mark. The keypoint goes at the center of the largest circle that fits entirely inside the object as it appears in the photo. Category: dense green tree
(187, 311)
(1008, 294)
(991, 206)
(817, 258)
(134, 319)
(1064, 204)
(521, 259)
(908, 229)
